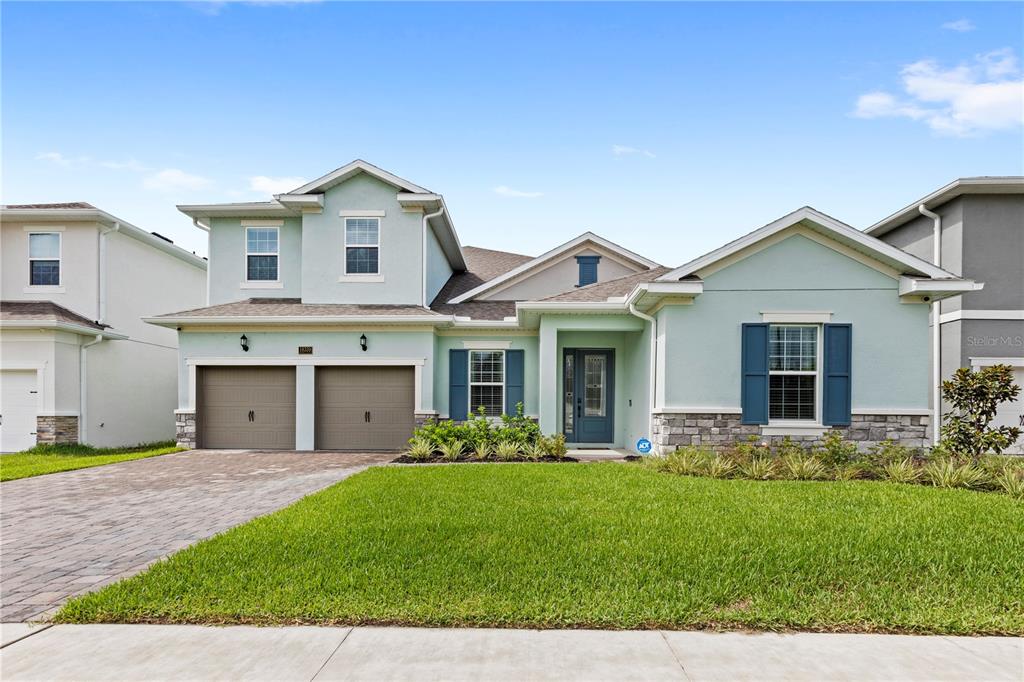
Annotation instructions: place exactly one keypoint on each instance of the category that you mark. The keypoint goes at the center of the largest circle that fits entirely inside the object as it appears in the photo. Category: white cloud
(268, 185)
(129, 165)
(986, 94)
(960, 25)
(61, 160)
(515, 193)
(170, 179)
(624, 150)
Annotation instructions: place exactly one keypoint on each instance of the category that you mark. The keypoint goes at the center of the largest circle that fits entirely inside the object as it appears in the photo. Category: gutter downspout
(936, 326)
(101, 294)
(423, 247)
(83, 394)
(206, 229)
(631, 304)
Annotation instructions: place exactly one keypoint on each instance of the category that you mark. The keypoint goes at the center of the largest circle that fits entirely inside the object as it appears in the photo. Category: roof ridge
(652, 272)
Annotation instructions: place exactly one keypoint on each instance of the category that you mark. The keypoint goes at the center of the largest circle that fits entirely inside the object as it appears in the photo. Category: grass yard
(51, 459)
(599, 545)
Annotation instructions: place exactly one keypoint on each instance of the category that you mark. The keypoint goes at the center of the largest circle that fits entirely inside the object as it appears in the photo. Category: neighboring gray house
(981, 221)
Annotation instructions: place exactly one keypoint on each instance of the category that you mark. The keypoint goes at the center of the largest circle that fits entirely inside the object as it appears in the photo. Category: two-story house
(343, 313)
(77, 363)
(973, 227)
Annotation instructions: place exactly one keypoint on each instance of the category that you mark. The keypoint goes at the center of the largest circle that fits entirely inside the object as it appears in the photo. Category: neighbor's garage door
(246, 407)
(18, 402)
(364, 408)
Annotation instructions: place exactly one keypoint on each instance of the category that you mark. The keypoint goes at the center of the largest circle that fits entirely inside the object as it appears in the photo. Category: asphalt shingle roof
(602, 291)
(294, 307)
(44, 311)
(70, 204)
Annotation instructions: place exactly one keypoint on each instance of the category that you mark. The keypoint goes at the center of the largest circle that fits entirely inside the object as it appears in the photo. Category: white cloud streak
(506, 191)
(984, 95)
(625, 150)
(173, 179)
(960, 26)
(61, 160)
(267, 185)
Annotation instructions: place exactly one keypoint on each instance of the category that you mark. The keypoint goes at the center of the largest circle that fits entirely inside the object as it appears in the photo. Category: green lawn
(599, 545)
(51, 459)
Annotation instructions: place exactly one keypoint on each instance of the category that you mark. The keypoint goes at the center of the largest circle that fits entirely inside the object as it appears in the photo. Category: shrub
(758, 469)
(975, 397)
(903, 471)
(688, 461)
(555, 446)
(803, 467)
(452, 450)
(948, 473)
(750, 449)
(506, 450)
(534, 451)
(836, 452)
(1011, 481)
(420, 449)
(482, 450)
(721, 466)
(887, 452)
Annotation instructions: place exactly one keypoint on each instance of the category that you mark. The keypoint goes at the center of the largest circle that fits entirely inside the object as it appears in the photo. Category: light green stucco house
(345, 312)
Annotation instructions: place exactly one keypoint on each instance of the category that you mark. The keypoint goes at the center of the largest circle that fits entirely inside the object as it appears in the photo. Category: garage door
(18, 403)
(1012, 413)
(364, 408)
(246, 407)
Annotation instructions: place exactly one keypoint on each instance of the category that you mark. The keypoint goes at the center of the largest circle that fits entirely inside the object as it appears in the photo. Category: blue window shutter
(754, 370)
(838, 378)
(513, 380)
(458, 384)
(588, 269)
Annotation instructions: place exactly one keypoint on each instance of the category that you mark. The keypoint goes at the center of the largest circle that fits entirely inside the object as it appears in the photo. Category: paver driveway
(69, 533)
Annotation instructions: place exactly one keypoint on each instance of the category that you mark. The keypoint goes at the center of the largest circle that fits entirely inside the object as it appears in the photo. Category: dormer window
(362, 246)
(44, 259)
(261, 254)
(588, 269)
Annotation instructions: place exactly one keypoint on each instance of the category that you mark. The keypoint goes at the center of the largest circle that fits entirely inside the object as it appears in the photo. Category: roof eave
(926, 290)
(1010, 184)
(59, 325)
(278, 320)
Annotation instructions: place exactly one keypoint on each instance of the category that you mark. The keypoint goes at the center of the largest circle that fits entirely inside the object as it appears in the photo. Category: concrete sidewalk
(180, 652)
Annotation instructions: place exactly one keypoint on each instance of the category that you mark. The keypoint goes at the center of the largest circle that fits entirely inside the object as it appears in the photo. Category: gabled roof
(994, 184)
(339, 175)
(527, 266)
(49, 315)
(828, 226)
(612, 288)
(80, 211)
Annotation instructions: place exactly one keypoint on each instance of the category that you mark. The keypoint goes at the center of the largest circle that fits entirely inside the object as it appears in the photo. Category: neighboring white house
(77, 363)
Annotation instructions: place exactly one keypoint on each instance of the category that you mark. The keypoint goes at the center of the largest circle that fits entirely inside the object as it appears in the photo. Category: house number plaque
(305, 350)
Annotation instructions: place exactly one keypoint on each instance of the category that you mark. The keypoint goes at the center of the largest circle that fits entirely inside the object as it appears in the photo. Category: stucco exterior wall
(702, 340)
(228, 262)
(560, 277)
(993, 251)
(401, 260)
(438, 269)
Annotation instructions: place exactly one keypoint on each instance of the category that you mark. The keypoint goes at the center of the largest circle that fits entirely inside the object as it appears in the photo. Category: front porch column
(548, 369)
(305, 407)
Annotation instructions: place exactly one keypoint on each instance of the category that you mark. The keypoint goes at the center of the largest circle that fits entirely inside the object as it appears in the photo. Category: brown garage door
(246, 407)
(364, 408)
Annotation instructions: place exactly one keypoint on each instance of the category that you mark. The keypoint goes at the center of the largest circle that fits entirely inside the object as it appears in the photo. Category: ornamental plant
(975, 398)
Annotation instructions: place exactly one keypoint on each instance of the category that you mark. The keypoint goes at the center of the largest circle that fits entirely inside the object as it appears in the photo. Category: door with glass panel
(588, 387)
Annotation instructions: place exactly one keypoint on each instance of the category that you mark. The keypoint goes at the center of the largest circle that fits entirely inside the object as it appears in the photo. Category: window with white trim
(362, 246)
(261, 254)
(487, 381)
(793, 372)
(44, 256)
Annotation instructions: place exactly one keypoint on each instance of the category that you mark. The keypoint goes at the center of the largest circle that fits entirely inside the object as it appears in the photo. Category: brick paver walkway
(69, 533)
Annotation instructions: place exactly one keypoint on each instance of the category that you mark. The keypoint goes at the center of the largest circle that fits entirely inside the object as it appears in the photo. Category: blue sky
(669, 128)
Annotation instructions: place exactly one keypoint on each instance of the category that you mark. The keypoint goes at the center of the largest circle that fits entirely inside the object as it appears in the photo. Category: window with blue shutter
(754, 373)
(588, 269)
(837, 381)
(513, 380)
(458, 384)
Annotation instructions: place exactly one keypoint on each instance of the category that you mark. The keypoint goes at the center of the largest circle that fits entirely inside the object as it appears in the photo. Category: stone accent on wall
(51, 430)
(720, 431)
(421, 418)
(185, 426)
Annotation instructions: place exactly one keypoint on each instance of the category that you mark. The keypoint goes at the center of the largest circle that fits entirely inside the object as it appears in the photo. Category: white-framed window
(44, 257)
(793, 365)
(362, 246)
(487, 381)
(261, 254)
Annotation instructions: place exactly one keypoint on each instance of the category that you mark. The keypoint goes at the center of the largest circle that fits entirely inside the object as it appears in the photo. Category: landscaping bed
(607, 545)
(50, 459)
(472, 458)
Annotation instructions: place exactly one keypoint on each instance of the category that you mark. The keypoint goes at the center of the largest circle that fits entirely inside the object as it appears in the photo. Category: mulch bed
(469, 459)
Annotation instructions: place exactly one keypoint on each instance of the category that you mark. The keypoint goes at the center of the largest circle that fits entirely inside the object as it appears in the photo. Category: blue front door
(588, 406)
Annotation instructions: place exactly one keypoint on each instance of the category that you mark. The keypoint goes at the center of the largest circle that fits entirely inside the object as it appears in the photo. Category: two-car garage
(355, 408)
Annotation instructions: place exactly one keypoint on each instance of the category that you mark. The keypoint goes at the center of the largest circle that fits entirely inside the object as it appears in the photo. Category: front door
(589, 395)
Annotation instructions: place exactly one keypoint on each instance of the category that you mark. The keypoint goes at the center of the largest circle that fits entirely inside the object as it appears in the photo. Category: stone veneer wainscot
(51, 430)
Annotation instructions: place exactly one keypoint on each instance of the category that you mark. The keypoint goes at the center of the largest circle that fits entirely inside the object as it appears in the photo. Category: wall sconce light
(245, 343)
(362, 342)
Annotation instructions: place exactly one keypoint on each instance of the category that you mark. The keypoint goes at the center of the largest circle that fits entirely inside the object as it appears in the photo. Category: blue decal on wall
(643, 446)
